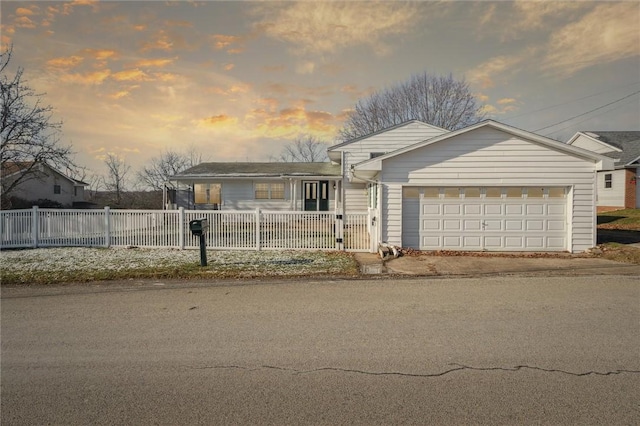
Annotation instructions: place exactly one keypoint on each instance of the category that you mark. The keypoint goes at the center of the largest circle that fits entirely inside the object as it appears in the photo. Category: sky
(237, 81)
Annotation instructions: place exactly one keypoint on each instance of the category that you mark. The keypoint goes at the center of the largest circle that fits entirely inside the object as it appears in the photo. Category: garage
(485, 218)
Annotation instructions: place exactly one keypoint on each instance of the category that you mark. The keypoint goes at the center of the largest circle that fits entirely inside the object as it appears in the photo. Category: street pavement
(490, 350)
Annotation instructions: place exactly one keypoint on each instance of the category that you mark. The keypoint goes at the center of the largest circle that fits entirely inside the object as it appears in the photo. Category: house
(42, 182)
(617, 189)
(243, 186)
(488, 186)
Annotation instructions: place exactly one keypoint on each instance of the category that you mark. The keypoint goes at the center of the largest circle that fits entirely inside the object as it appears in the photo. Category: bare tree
(439, 100)
(158, 170)
(304, 149)
(116, 178)
(29, 135)
(168, 163)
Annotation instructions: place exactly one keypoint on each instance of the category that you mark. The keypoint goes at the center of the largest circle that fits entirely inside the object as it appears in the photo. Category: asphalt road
(501, 350)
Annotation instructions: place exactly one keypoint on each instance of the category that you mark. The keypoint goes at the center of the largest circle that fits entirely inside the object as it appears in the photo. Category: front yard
(628, 219)
(75, 264)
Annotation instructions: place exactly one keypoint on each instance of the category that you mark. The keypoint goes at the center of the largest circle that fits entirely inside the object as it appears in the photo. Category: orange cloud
(131, 75)
(96, 77)
(228, 67)
(21, 11)
(162, 42)
(146, 63)
(65, 63)
(505, 101)
(100, 54)
(165, 76)
(24, 22)
(218, 120)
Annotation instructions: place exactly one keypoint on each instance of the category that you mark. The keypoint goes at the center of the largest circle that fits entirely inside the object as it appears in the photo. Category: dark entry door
(316, 195)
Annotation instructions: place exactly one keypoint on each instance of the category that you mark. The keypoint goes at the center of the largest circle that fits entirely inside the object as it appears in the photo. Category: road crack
(455, 368)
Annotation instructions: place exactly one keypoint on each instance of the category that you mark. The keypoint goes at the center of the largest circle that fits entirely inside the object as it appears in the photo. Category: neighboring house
(488, 186)
(619, 188)
(43, 182)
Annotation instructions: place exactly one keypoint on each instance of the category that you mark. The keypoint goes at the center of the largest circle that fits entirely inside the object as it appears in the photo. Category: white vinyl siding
(491, 158)
(614, 196)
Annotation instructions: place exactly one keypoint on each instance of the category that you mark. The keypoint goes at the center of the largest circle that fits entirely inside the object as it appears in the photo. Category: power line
(588, 112)
(583, 120)
(568, 102)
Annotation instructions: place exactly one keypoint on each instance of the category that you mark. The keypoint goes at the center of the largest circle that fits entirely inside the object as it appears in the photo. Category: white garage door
(493, 218)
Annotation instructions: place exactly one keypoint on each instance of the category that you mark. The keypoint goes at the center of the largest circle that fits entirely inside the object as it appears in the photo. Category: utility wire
(568, 102)
(588, 112)
(585, 119)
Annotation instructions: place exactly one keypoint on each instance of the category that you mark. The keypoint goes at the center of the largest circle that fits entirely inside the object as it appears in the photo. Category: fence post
(181, 228)
(34, 226)
(339, 231)
(107, 227)
(258, 223)
(373, 230)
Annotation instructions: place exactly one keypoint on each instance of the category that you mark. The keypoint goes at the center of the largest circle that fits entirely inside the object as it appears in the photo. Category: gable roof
(11, 168)
(397, 126)
(579, 152)
(271, 169)
(625, 145)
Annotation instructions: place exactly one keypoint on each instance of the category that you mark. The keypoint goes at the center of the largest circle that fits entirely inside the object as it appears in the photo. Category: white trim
(603, 161)
(589, 136)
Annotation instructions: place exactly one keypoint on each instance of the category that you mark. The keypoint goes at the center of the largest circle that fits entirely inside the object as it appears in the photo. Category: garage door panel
(472, 242)
(452, 241)
(535, 225)
(535, 242)
(556, 242)
(431, 225)
(452, 209)
(452, 225)
(431, 242)
(472, 225)
(493, 209)
(556, 209)
(431, 209)
(472, 209)
(513, 242)
(481, 223)
(492, 242)
(513, 225)
(535, 209)
(513, 209)
(555, 225)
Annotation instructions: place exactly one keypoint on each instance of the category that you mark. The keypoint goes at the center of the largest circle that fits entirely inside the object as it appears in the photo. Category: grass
(627, 219)
(620, 253)
(74, 264)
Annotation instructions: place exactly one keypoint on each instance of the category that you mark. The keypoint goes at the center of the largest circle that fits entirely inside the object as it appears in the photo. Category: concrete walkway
(472, 265)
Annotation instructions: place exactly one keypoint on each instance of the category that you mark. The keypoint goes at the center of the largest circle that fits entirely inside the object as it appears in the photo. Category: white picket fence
(231, 230)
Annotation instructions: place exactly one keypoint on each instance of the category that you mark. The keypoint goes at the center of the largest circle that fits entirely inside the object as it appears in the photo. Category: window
(207, 193)
(375, 154)
(472, 193)
(493, 192)
(431, 192)
(451, 193)
(535, 192)
(556, 192)
(269, 191)
(608, 180)
(56, 189)
(514, 192)
(410, 192)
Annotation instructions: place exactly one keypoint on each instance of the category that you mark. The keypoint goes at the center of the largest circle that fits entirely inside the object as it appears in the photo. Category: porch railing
(232, 230)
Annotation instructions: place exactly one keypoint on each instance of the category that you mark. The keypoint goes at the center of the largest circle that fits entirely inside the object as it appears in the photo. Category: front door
(316, 195)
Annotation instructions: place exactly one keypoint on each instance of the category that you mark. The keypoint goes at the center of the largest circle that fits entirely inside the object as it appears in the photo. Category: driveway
(493, 350)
